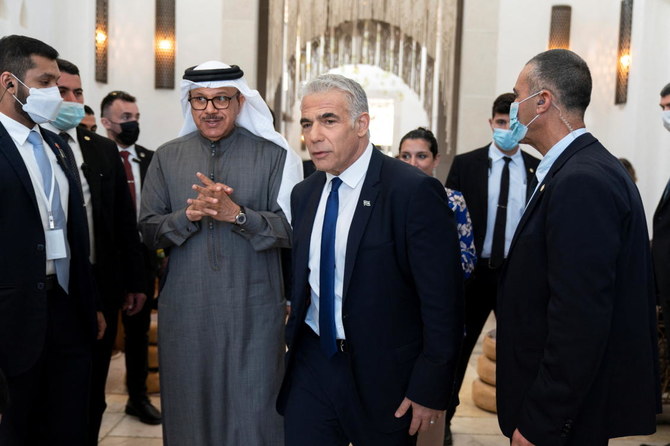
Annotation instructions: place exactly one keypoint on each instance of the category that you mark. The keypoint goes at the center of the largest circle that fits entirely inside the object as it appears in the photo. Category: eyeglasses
(219, 102)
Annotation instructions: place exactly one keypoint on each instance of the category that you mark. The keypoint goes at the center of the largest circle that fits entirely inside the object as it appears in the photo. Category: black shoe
(447, 436)
(144, 410)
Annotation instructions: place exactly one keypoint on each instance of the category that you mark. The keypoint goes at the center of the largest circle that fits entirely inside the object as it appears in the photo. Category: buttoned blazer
(23, 296)
(118, 255)
(576, 335)
(402, 300)
(469, 174)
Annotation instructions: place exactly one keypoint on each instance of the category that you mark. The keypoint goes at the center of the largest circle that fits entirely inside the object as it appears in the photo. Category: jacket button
(40, 286)
(40, 247)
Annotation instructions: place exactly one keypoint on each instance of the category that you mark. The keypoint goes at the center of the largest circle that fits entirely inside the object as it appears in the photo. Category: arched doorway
(414, 40)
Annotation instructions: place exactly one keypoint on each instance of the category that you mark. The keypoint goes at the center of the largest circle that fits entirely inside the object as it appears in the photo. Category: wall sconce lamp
(559, 30)
(165, 46)
(101, 41)
(624, 57)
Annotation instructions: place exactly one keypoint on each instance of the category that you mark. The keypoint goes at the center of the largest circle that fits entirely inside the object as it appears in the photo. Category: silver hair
(356, 97)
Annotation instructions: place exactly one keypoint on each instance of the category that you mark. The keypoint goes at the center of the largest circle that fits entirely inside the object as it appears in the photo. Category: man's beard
(18, 107)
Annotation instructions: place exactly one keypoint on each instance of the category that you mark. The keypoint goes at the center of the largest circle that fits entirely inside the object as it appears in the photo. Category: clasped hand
(213, 200)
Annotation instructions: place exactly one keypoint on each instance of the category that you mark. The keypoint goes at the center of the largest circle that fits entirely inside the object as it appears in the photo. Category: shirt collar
(16, 130)
(355, 173)
(552, 155)
(495, 154)
(72, 133)
(130, 149)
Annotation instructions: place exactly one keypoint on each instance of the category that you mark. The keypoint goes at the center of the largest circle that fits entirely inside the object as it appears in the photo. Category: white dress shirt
(19, 134)
(86, 190)
(516, 200)
(349, 192)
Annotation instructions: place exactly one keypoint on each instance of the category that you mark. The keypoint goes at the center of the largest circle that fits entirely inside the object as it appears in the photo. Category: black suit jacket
(118, 252)
(151, 262)
(469, 174)
(577, 356)
(23, 297)
(660, 249)
(402, 301)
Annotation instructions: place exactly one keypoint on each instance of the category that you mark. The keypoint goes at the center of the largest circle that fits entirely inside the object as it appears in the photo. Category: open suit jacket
(660, 248)
(118, 256)
(402, 294)
(23, 297)
(577, 358)
(144, 156)
(469, 174)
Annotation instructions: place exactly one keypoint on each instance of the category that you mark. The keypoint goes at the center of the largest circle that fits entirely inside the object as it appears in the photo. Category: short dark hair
(665, 91)
(67, 67)
(88, 110)
(113, 96)
(565, 74)
(16, 52)
(422, 133)
(502, 104)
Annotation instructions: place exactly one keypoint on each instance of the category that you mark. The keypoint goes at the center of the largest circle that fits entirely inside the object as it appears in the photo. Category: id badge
(55, 241)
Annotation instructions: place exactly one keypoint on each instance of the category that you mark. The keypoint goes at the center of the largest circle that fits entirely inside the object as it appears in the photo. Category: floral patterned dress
(464, 227)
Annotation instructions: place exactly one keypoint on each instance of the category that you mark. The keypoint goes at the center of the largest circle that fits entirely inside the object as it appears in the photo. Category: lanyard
(48, 201)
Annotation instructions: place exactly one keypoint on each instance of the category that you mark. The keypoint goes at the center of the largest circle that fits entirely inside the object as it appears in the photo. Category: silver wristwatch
(241, 217)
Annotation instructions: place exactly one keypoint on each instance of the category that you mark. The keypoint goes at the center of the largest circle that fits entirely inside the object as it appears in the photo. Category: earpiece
(540, 102)
(10, 84)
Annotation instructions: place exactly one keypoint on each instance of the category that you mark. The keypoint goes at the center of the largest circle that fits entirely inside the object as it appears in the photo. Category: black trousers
(323, 408)
(481, 290)
(136, 329)
(49, 402)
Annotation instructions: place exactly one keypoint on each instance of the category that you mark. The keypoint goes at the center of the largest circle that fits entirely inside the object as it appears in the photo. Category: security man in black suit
(115, 245)
(120, 117)
(496, 201)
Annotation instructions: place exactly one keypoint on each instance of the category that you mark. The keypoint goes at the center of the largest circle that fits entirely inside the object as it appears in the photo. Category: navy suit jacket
(469, 174)
(402, 300)
(577, 354)
(660, 247)
(23, 297)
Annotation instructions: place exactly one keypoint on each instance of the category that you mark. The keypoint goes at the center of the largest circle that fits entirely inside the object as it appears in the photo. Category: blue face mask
(69, 116)
(516, 128)
(503, 139)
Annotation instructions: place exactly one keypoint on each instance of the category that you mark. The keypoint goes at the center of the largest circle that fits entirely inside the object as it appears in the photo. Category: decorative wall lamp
(101, 41)
(559, 31)
(624, 56)
(164, 45)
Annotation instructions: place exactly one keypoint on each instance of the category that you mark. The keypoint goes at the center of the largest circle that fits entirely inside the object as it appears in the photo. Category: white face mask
(665, 115)
(42, 104)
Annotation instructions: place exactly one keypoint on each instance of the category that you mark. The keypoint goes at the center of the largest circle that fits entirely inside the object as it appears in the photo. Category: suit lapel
(303, 232)
(144, 162)
(482, 174)
(578, 144)
(11, 152)
(364, 208)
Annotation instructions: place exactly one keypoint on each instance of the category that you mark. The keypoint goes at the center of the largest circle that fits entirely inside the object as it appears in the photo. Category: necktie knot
(335, 184)
(64, 136)
(124, 154)
(35, 139)
(507, 159)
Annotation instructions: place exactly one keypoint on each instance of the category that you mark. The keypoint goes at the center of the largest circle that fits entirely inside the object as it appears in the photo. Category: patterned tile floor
(471, 426)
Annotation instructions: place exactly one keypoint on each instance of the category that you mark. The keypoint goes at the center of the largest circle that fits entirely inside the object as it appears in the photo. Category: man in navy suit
(577, 355)
(377, 306)
(48, 299)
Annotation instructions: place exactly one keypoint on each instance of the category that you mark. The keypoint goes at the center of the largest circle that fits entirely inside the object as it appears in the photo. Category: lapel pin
(87, 138)
(541, 188)
(531, 170)
(366, 203)
(142, 155)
